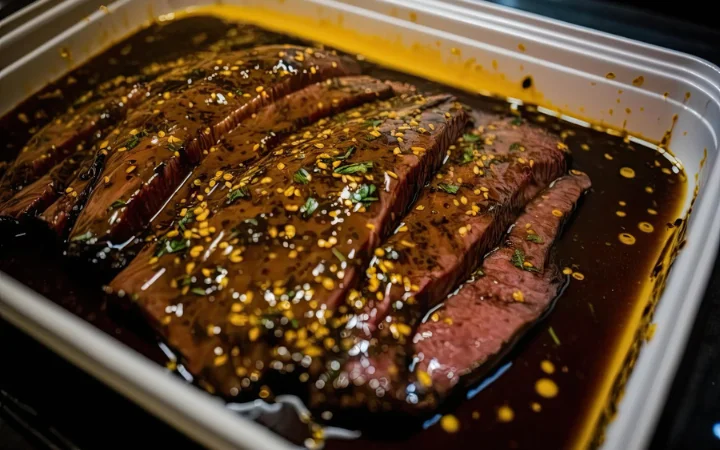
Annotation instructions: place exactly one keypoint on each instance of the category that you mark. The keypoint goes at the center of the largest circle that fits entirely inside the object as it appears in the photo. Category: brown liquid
(579, 337)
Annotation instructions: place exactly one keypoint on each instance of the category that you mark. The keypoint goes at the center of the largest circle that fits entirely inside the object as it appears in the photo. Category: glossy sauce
(549, 387)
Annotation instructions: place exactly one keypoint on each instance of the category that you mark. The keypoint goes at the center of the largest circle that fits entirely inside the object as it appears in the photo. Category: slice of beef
(40, 194)
(515, 286)
(475, 325)
(258, 291)
(157, 149)
(252, 140)
(492, 174)
(61, 138)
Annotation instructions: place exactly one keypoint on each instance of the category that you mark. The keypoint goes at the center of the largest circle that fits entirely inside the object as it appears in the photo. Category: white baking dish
(569, 67)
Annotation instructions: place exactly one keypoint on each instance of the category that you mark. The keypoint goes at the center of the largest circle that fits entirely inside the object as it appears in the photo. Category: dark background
(46, 403)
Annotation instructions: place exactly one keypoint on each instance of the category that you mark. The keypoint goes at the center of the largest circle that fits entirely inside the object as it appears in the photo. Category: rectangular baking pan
(576, 73)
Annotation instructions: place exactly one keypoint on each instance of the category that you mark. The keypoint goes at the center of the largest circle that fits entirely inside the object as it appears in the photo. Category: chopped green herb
(252, 222)
(134, 140)
(187, 218)
(117, 204)
(198, 291)
(468, 155)
(347, 154)
(295, 324)
(302, 176)
(175, 148)
(360, 167)
(185, 280)
(370, 137)
(517, 147)
(449, 188)
(83, 237)
(518, 260)
(165, 246)
(479, 273)
(237, 193)
(554, 336)
(309, 207)
(373, 123)
(470, 137)
(338, 255)
(517, 121)
(364, 194)
(534, 238)
(238, 92)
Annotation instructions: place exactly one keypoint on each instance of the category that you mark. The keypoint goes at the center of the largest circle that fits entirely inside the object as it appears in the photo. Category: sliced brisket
(284, 249)
(151, 155)
(456, 220)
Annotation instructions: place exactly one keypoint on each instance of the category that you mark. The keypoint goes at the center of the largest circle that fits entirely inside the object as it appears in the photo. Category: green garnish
(347, 153)
(449, 188)
(534, 238)
(470, 137)
(198, 291)
(175, 148)
(364, 194)
(82, 237)
(170, 246)
(517, 147)
(185, 280)
(518, 260)
(295, 324)
(468, 155)
(187, 218)
(370, 137)
(238, 92)
(237, 193)
(117, 204)
(252, 222)
(135, 139)
(309, 207)
(360, 167)
(517, 121)
(338, 255)
(373, 123)
(302, 176)
(554, 336)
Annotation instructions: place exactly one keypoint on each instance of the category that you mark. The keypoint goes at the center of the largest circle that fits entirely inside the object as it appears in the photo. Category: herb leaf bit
(365, 194)
(449, 188)
(518, 260)
(360, 167)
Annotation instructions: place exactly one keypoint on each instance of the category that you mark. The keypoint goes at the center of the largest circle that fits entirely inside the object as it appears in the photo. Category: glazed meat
(283, 252)
(150, 155)
(515, 285)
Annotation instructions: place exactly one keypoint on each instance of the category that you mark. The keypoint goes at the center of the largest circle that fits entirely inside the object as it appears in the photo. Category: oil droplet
(620, 213)
(646, 227)
(450, 423)
(413, 17)
(627, 172)
(628, 111)
(65, 53)
(455, 51)
(578, 276)
(547, 366)
(687, 96)
(494, 64)
(610, 76)
(626, 238)
(639, 81)
(521, 47)
(535, 406)
(505, 414)
(546, 388)
(652, 212)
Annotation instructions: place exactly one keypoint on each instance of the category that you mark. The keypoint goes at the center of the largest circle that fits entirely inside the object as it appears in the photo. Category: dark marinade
(609, 251)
